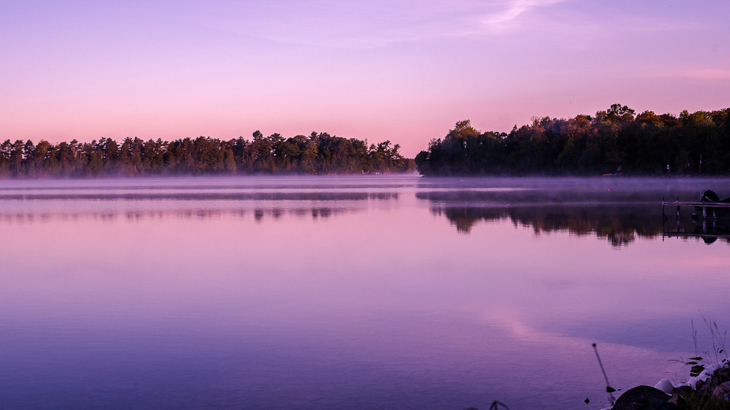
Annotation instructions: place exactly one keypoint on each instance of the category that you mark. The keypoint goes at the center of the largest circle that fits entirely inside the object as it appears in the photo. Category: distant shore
(614, 141)
(318, 153)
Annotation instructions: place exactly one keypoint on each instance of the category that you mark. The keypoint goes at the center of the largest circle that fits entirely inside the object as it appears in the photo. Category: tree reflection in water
(619, 227)
(620, 219)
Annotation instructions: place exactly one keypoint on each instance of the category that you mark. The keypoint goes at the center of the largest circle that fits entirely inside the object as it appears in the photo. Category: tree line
(318, 153)
(613, 140)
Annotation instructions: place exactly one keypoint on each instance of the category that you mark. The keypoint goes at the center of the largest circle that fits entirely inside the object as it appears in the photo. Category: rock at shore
(643, 398)
(722, 392)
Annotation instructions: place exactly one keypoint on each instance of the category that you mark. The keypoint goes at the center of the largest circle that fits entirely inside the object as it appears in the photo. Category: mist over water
(349, 292)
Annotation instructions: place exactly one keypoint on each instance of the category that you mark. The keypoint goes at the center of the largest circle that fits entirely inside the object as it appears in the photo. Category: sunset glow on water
(343, 292)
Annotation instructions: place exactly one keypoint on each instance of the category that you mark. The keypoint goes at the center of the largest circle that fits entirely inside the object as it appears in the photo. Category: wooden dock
(704, 205)
(708, 235)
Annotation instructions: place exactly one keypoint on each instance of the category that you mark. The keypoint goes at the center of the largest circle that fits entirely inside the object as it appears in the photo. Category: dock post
(677, 215)
(704, 212)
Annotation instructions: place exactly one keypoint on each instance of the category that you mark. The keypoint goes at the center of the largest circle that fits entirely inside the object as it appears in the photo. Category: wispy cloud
(382, 23)
(515, 8)
(374, 24)
(691, 73)
(707, 74)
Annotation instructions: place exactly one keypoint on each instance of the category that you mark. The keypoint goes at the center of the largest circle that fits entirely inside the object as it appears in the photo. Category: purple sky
(403, 70)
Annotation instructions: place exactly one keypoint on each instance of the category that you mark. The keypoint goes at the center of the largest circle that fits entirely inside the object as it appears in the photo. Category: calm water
(349, 292)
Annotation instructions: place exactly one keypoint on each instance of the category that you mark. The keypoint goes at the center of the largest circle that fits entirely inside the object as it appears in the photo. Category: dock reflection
(709, 230)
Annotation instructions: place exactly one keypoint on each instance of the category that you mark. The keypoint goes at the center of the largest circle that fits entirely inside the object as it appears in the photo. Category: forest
(615, 141)
(318, 153)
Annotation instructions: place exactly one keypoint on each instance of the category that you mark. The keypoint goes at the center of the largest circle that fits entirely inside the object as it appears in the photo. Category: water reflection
(203, 302)
(198, 196)
(45, 204)
(618, 227)
(198, 214)
(708, 231)
(619, 216)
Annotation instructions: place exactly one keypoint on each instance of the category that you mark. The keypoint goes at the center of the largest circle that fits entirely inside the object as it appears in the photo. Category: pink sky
(402, 70)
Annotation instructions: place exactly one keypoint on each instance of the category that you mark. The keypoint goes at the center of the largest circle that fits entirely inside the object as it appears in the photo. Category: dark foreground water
(349, 292)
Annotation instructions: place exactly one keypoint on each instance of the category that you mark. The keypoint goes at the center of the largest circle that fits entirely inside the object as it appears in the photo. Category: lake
(351, 292)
